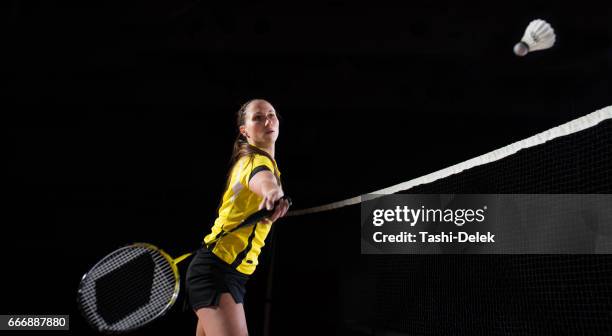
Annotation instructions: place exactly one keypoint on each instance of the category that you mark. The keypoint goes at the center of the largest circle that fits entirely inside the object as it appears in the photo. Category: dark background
(119, 120)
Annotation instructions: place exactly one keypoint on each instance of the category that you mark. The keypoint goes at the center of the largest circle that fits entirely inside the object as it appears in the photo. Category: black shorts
(208, 277)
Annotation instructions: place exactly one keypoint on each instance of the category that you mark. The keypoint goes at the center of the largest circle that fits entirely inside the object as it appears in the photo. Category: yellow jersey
(241, 248)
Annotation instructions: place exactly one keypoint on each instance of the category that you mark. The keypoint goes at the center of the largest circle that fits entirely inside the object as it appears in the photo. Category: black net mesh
(506, 294)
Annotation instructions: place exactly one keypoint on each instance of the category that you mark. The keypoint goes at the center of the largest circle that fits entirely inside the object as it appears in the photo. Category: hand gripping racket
(134, 285)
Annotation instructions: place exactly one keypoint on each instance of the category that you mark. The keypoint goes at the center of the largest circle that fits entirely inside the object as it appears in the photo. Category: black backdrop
(120, 119)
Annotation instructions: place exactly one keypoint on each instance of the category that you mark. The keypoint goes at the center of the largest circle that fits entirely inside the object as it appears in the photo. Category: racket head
(129, 288)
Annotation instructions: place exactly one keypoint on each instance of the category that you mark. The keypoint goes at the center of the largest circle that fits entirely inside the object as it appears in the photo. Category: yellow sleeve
(249, 167)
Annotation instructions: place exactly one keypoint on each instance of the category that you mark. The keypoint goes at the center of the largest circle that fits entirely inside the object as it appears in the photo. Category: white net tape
(571, 127)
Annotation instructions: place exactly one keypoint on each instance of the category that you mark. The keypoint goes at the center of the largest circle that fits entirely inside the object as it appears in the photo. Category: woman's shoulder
(255, 159)
(252, 161)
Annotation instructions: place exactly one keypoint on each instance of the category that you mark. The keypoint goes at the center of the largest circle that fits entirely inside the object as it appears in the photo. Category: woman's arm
(264, 184)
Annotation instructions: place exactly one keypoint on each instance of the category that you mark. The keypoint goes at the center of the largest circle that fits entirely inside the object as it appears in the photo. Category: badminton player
(217, 274)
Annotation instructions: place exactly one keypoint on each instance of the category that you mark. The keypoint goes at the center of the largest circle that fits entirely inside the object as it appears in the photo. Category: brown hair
(241, 146)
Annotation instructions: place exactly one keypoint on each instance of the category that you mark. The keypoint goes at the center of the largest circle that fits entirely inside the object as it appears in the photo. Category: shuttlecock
(539, 35)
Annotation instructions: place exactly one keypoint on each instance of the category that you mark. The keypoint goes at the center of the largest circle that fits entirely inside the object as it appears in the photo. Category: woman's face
(261, 124)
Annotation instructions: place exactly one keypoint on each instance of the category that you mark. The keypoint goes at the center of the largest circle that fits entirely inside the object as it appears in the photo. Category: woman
(218, 273)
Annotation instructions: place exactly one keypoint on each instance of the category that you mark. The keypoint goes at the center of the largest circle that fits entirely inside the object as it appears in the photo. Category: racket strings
(125, 289)
(141, 284)
(109, 264)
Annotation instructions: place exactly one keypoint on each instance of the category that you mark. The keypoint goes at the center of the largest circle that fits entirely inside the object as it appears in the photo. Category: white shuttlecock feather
(539, 35)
